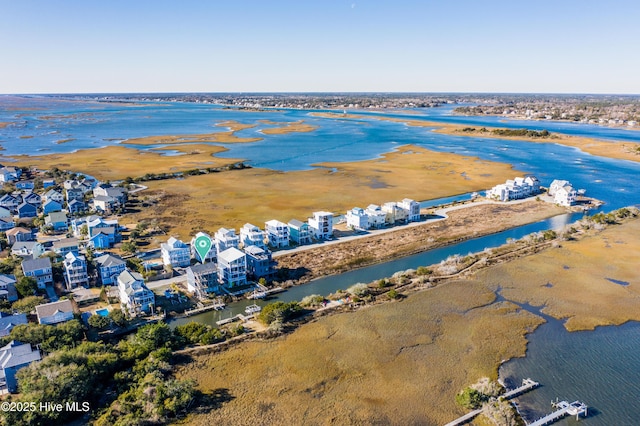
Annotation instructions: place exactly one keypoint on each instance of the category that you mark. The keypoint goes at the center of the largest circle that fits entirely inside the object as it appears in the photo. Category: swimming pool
(102, 312)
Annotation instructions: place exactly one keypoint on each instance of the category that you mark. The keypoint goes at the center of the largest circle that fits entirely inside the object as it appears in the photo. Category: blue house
(6, 223)
(75, 207)
(48, 183)
(51, 206)
(27, 210)
(100, 241)
(25, 184)
(7, 322)
(33, 199)
(57, 220)
(13, 357)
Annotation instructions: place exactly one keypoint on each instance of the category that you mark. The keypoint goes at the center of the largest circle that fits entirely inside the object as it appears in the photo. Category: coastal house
(251, 235)
(556, 184)
(175, 253)
(211, 254)
(277, 233)
(118, 194)
(7, 174)
(4, 212)
(226, 239)
(74, 194)
(33, 199)
(55, 312)
(565, 196)
(6, 223)
(412, 209)
(20, 234)
(10, 202)
(75, 271)
(31, 249)
(92, 226)
(8, 290)
(8, 321)
(40, 269)
(76, 207)
(26, 210)
(109, 267)
(104, 204)
(100, 240)
(57, 220)
(260, 263)
(54, 195)
(232, 268)
(321, 225)
(299, 232)
(135, 297)
(14, 356)
(202, 279)
(357, 219)
(51, 206)
(515, 189)
(376, 218)
(25, 185)
(48, 183)
(66, 245)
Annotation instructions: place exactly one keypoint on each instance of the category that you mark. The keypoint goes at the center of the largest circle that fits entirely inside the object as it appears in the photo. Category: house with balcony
(515, 189)
(277, 233)
(33, 199)
(20, 234)
(75, 271)
(66, 245)
(51, 206)
(412, 209)
(260, 263)
(40, 269)
(321, 225)
(14, 356)
(10, 202)
(202, 279)
(232, 268)
(54, 195)
(74, 194)
(118, 194)
(357, 219)
(175, 253)
(58, 221)
(211, 254)
(563, 193)
(104, 204)
(109, 267)
(225, 239)
(26, 210)
(55, 312)
(76, 207)
(6, 223)
(135, 296)
(25, 185)
(8, 290)
(299, 232)
(32, 249)
(376, 217)
(251, 235)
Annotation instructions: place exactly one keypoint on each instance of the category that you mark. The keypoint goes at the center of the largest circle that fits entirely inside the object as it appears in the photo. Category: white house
(175, 253)
(225, 239)
(232, 268)
(251, 235)
(277, 233)
(557, 184)
(565, 196)
(412, 209)
(134, 294)
(376, 217)
(321, 225)
(515, 189)
(211, 254)
(357, 219)
(75, 270)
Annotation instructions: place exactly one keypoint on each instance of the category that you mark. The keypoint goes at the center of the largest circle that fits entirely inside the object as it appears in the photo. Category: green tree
(27, 286)
(118, 317)
(27, 304)
(278, 311)
(470, 398)
(99, 322)
(129, 247)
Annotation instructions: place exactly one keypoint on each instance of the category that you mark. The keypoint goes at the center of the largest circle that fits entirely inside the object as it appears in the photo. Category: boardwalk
(527, 385)
(576, 408)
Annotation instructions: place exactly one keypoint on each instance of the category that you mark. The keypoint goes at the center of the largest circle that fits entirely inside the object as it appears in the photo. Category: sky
(543, 46)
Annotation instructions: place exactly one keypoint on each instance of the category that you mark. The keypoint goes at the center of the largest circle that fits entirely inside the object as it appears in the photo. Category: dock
(527, 385)
(563, 408)
(205, 308)
(239, 317)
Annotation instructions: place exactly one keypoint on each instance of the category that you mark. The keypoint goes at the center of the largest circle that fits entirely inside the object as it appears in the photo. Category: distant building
(25, 184)
(109, 267)
(53, 195)
(6, 223)
(75, 271)
(226, 239)
(277, 233)
(175, 253)
(76, 207)
(232, 268)
(33, 199)
(14, 356)
(565, 195)
(26, 210)
(55, 312)
(251, 235)
(202, 279)
(51, 206)
(40, 269)
(299, 232)
(321, 225)
(134, 294)
(515, 189)
(260, 263)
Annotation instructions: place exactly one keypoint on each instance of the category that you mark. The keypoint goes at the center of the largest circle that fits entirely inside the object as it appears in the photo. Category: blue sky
(80, 46)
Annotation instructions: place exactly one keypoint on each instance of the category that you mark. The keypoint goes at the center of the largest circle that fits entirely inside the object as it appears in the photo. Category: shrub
(278, 310)
(393, 294)
(359, 290)
(470, 398)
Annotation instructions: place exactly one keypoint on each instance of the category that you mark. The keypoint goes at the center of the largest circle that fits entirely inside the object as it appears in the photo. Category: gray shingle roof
(31, 265)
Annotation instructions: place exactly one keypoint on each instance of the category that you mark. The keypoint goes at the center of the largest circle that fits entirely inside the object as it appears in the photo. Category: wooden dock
(527, 385)
(205, 308)
(563, 408)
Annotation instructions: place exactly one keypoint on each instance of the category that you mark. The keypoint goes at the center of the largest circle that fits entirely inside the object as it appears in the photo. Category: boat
(252, 309)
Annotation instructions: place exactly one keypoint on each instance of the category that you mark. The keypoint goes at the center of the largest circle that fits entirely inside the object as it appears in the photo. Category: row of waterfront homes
(562, 191)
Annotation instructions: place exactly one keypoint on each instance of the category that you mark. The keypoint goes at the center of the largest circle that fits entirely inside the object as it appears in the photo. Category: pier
(527, 385)
(563, 408)
(205, 308)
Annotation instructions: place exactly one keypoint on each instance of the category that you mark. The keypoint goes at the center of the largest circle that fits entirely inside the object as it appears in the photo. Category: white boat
(252, 309)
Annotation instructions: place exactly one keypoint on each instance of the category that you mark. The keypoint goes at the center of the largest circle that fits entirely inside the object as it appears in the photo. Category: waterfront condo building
(232, 268)
(277, 233)
(226, 239)
(175, 253)
(321, 225)
(412, 208)
(357, 219)
(134, 294)
(202, 279)
(211, 254)
(251, 235)
(375, 216)
(299, 232)
(75, 271)
(260, 263)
